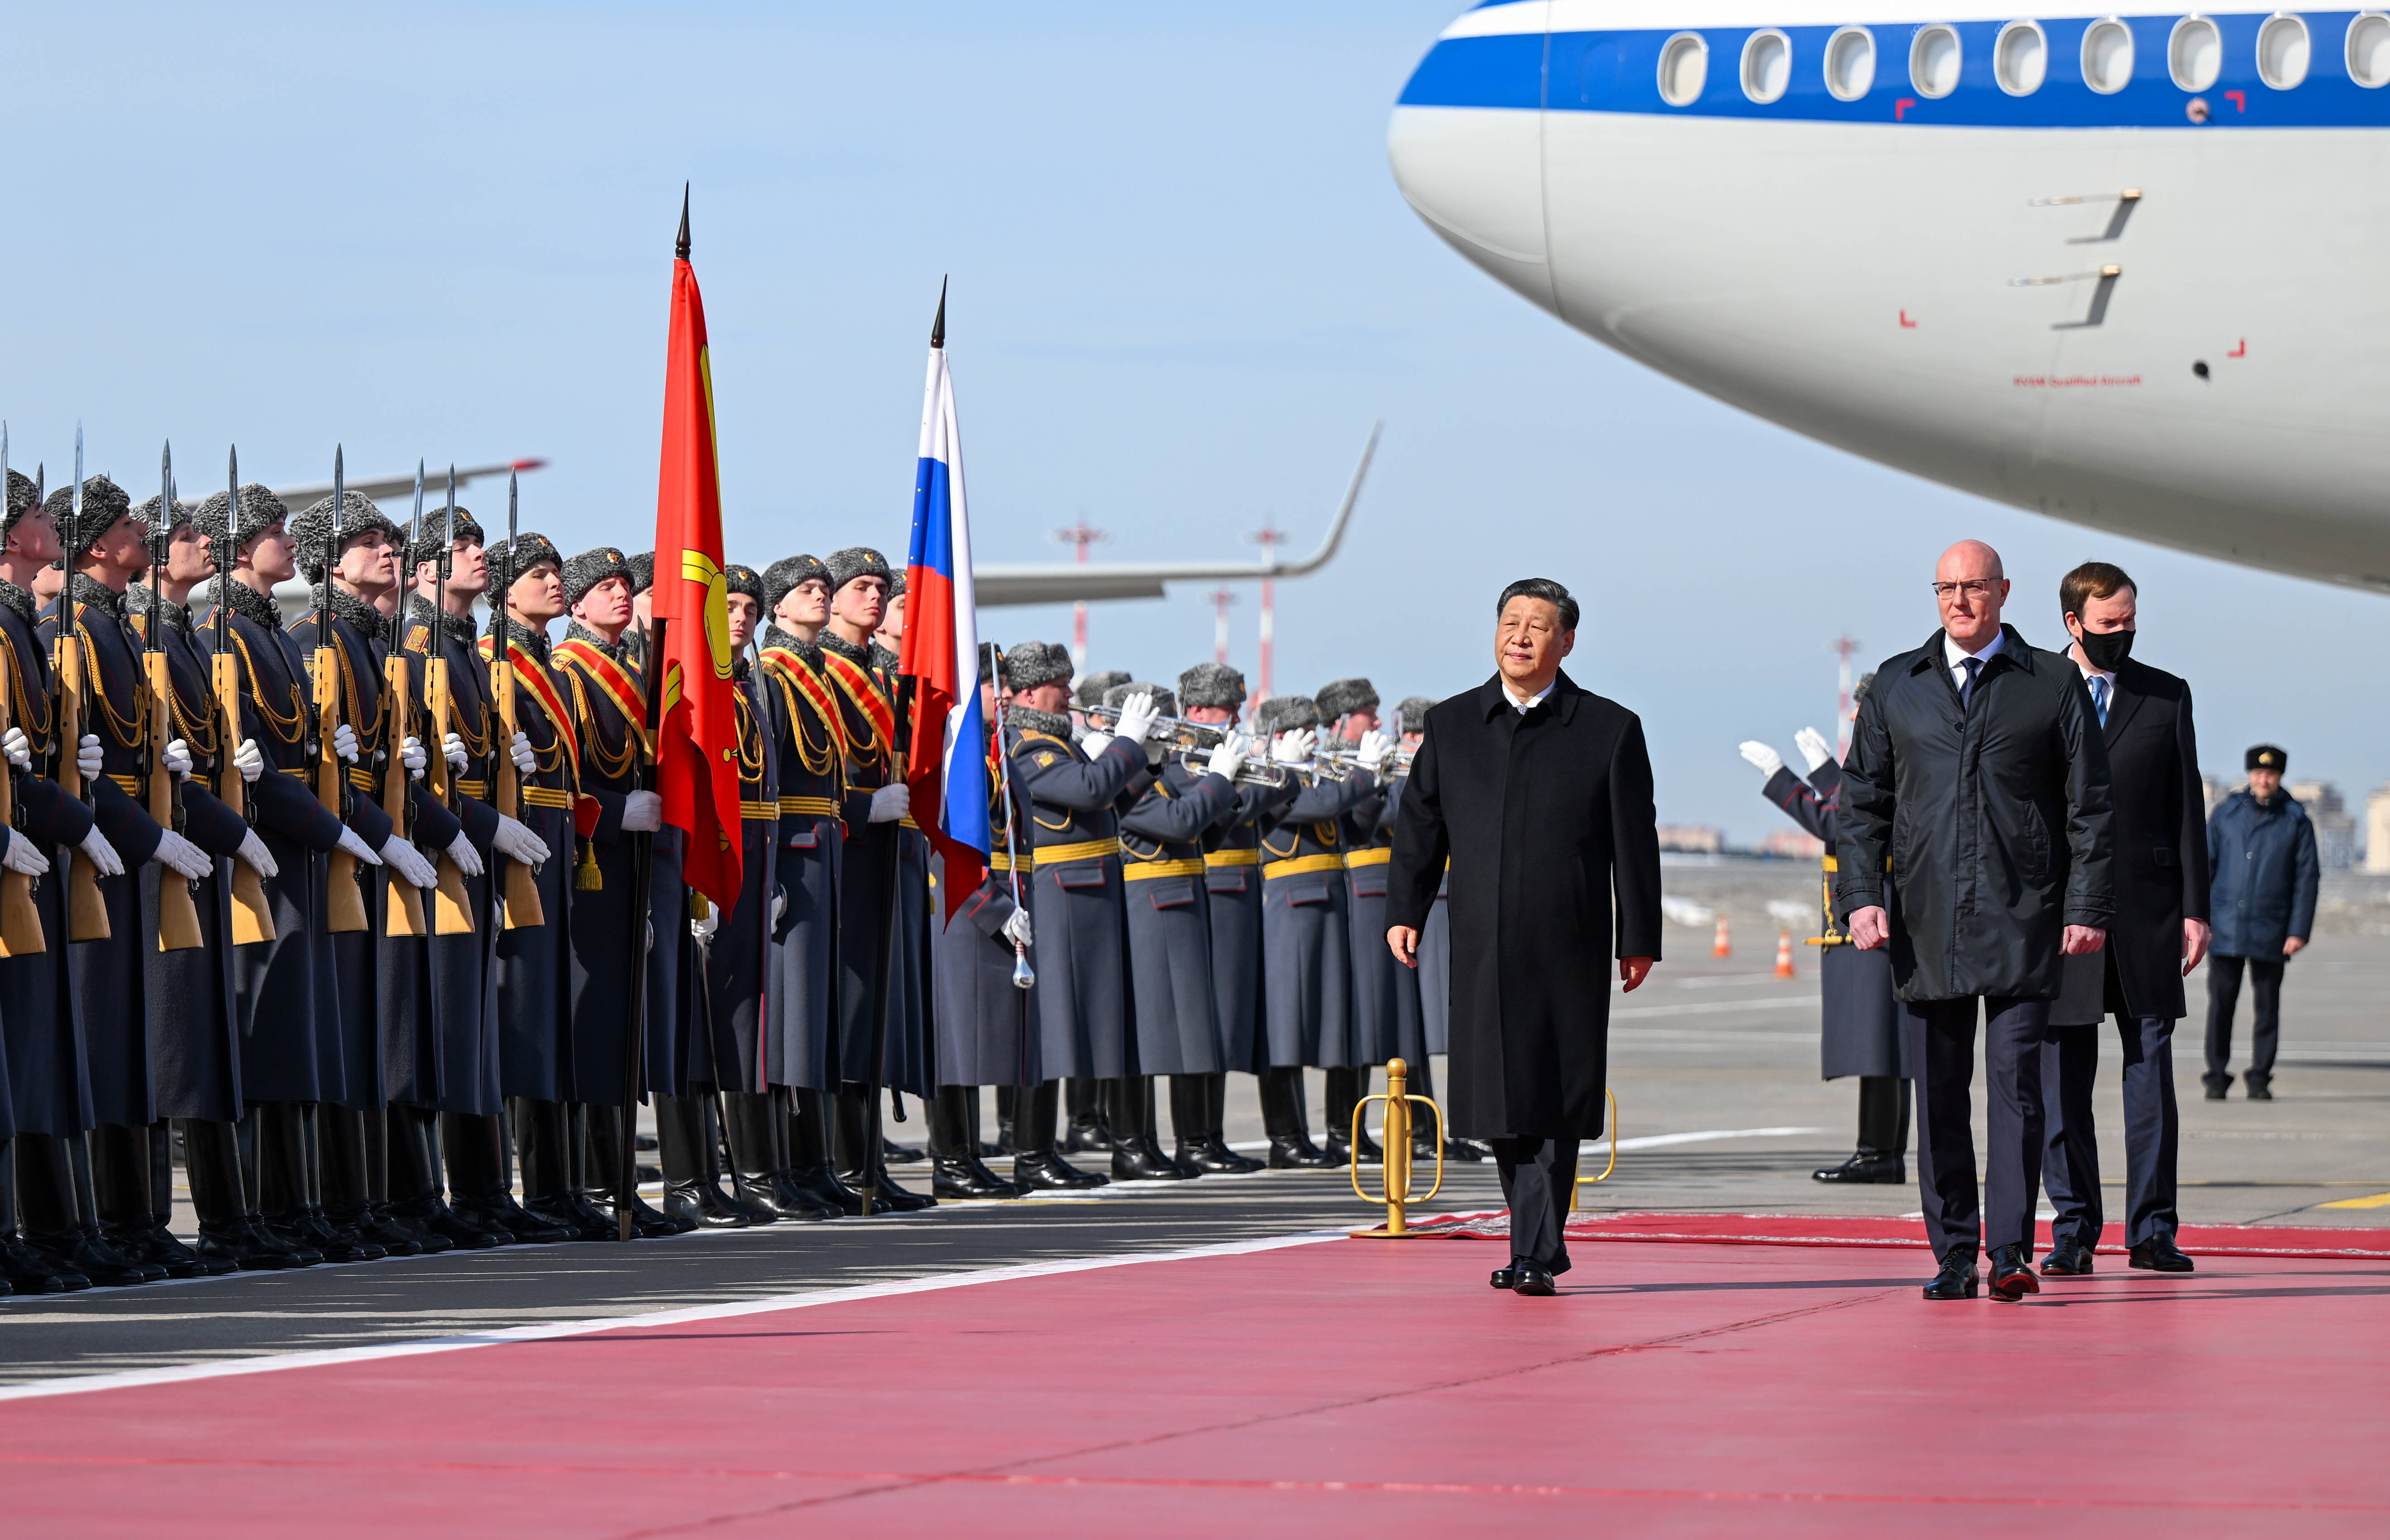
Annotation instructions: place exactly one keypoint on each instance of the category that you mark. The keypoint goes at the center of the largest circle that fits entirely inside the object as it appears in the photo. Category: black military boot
(544, 1151)
(1883, 1136)
(53, 1221)
(212, 1157)
(121, 1187)
(1206, 1107)
(691, 1194)
(347, 1182)
(1291, 1149)
(480, 1191)
(956, 1170)
(810, 1144)
(851, 1133)
(291, 1172)
(381, 1225)
(25, 1270)
(1089, 1128)
(788, 1147)
(601, 1176)
(1037, 1167)
(751, 1118)
(1007, 1099)
(416, 1185)
(1344, 1094)
(1134, 1159)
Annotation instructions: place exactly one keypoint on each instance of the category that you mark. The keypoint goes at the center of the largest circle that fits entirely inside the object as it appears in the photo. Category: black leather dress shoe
(2067, 1259)
(2012, 1277)
(1296, 1152)
(2258, 1090)
(1532, 1280)
(1865, 1168)
(1047, 1172)
(1957, 1281)
(2159, 1254)
(2217, 1085)
(1134, 1160)
(1506, 1277)
(29, 1271)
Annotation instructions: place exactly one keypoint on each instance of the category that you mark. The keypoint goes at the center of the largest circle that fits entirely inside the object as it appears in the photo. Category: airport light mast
(1270, 537)
(1081, 535)
(1221, 599)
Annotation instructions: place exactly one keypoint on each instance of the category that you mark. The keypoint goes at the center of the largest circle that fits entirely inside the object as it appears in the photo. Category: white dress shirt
(1955, 657)
(1530, 702)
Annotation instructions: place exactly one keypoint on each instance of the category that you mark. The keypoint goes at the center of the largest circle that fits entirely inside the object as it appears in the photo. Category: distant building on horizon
(1692, 838)
(2335, 829)
(1793, 845)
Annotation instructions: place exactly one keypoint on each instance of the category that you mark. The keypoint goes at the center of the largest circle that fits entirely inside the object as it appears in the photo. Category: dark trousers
(2223, 994)
(1538, 1179)
(1942, 1043)
(2070, 1172)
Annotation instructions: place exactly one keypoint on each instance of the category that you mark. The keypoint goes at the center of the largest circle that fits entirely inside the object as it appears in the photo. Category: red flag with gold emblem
(697, 736)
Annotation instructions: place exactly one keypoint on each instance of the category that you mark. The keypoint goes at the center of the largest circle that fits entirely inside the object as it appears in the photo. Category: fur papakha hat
(1285, 713)
(1414, 711)
(642, 572)
(1091, 689)
(509, 562)
(1343, 697)
(593, 567)
(855, 561)
(1210, 684)
(740, 578)
(783, 577)
(310, 525)
(1165, 703)
(103, 504)
(260, 510)
(1030, 664)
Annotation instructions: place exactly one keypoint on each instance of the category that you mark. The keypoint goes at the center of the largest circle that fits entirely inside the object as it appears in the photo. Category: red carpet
(1773, 1229)
(1685, 1389)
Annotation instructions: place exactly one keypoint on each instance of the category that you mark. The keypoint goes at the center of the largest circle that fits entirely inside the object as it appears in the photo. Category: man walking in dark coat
(1539, 793)
(2263, 851)
(2159, 935)
(1975, 844)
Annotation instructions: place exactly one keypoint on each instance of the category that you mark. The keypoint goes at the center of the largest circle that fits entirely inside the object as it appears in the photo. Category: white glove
(1813, 746)
(24, 855)
(19, 748)
(891, 802)
(102, 854)
(1137, 715)
(1765, 760)
(643, 811)
(400, 854)
(344, 742)
(249, 759)
(468, 859)
(651, 933)
(182, 855)
(1094, 744)
(257, 857)
(1016, 928)
(1294, 748)
(704, 927)
(517, 842)
(454, 747)
(355, 843)
(411, 754)
(1229, 757)
(89, 760)
(526, 763)
(176, 756)
(780, 906)
(1376, 748)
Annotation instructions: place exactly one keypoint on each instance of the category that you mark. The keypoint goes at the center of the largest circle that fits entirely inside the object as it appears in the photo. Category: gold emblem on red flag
(698, 566)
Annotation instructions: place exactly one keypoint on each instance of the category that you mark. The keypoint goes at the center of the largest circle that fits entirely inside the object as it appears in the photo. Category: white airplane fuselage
(2157, 308)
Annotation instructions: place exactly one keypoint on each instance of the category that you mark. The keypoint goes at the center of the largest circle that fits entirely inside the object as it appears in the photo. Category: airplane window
(1933, 61)
(1684, 69)
(1767, 66)
(2195, 53)
(2107, 56)
(1850, 63)
(2368, 49)
(2021, 59)
(2282, 51)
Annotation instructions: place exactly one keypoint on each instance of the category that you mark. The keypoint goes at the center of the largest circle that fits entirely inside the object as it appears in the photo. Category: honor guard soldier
(381, 1008)
(1068, 794)
(437, 636)
(1083, 1099)
(876, 804)
(1172, 980)
(1306, 906)
(610, 918)
(49, 1102)
(286, 990)
(811, 760)
(534, 953)
(1349, 707)
(908, 1065)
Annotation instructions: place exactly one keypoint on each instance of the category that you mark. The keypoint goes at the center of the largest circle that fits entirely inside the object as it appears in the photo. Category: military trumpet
(1191, 738)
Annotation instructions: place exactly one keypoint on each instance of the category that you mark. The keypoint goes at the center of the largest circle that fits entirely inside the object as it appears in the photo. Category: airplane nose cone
(1473, 170)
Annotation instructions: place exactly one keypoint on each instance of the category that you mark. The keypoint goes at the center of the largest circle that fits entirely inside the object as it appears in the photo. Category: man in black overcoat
(1539, 793)
(2159, 935)
(1975, 843)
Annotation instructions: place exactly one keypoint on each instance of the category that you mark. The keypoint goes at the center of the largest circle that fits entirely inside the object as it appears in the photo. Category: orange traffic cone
(1722, 947)
(1783, 953)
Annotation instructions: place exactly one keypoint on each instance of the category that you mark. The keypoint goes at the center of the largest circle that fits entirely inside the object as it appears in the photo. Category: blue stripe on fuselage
(1619, 73)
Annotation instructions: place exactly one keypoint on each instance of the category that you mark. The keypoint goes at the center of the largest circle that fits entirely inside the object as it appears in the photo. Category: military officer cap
(510, 561)
(1414, 711)
(742, 579)
(260, 510)
(783, 577)
(642, 572)
(358, 514)
(103, 504)
(1030, 664)
(146, 511)
(1210, 684)
(1344, 696)
(20, 501)
(1091, 689)
(2265, 756)
(856, 561)
(1286, 714)
(590, 569)
(1165, 703)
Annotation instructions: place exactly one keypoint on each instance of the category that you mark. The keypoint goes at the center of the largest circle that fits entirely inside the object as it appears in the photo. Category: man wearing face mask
(2159, 932)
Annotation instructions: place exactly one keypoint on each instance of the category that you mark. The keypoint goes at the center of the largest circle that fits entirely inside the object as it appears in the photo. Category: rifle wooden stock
(21, 919)
(252, 917)
(405, 914)
(178, 916)
(344, 904)
(86, 911)
(452, 912)
(523, 908)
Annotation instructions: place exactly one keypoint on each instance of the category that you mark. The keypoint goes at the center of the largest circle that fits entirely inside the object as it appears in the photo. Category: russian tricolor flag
(947, 769)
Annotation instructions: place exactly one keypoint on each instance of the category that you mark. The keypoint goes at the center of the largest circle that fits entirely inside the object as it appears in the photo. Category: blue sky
(1184, 286)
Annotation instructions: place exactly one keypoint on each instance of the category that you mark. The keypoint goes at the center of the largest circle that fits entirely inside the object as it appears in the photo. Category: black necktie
(1974, 666)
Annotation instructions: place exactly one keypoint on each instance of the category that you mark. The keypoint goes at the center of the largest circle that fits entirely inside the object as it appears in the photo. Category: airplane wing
(1065, 582)
(382, 489)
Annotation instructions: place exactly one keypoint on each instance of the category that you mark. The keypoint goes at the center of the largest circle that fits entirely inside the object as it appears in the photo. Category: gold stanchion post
(1396, 1171)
